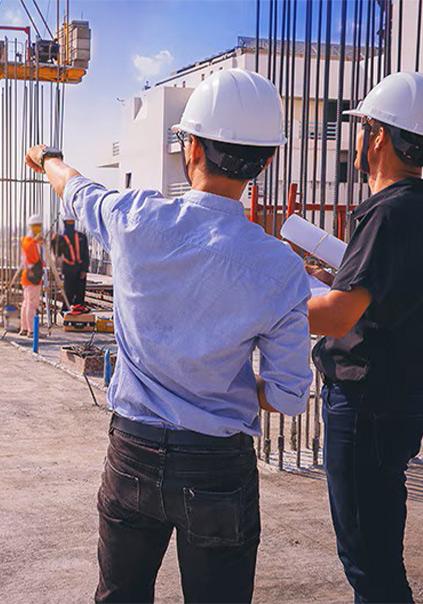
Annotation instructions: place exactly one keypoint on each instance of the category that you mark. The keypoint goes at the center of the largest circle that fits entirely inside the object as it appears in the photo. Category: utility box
(104, 325)
(75, 44)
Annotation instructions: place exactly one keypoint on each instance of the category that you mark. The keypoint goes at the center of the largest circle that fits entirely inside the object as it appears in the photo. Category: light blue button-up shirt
(197, 287)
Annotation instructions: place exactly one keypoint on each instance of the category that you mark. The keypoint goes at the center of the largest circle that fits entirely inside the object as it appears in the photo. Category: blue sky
(134, 41)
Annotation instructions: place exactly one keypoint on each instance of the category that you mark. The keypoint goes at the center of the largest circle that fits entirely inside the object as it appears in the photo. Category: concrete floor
(53, 443)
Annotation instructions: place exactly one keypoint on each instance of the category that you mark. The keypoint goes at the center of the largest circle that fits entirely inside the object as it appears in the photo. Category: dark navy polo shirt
(383, 353)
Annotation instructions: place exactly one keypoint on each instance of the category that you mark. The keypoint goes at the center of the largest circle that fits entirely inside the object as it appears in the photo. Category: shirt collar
(214, 202)
(366, 206)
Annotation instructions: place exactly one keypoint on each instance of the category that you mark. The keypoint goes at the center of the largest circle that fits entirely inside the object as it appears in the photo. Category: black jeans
(74, 287)
(366, 456)
(210, 495)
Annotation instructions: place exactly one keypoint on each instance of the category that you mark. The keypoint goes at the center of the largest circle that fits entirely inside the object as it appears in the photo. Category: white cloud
(149, 67)
(12, 17)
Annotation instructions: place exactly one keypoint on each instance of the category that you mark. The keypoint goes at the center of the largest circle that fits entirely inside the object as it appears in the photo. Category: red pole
(27, 30)
(254, 202)
(292, 198)
(341, 211)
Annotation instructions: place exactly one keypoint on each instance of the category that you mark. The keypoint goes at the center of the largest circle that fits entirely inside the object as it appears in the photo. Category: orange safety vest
(30, 256)
(75, 255)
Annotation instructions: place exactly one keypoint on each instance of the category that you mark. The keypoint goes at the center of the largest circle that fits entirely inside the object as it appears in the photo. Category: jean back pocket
(213, 518)
(120, 489)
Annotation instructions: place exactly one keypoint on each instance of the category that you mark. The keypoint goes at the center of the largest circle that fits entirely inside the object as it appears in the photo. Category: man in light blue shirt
(196, 288)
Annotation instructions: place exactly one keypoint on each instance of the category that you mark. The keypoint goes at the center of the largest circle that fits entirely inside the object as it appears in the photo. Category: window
(183, 84)
(203, 76)
(345, 106)
(128, 180)
(332, 110)
(343, 166)
(343, 171)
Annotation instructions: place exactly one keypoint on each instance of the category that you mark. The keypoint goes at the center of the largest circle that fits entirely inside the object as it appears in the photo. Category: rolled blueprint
(313, 240)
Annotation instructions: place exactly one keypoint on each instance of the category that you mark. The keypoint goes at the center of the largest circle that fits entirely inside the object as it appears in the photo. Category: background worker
(196, 287)
(372, 356)
(72, 246)
(32, 273)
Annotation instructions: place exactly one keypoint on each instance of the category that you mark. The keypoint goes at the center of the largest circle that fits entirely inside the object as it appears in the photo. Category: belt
(164, 436)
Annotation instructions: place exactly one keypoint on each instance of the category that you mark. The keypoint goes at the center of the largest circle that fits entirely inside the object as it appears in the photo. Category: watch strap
(50, 152)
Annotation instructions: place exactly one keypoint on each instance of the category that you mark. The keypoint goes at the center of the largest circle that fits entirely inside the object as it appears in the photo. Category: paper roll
(313, 240)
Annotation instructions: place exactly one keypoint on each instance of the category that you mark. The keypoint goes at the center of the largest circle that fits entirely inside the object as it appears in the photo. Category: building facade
(148, 154)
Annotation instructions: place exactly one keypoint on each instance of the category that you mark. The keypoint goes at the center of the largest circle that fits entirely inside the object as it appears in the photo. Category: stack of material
(75, 44)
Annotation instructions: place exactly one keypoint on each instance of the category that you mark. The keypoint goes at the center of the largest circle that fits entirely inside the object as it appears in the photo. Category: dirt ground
(53, 442)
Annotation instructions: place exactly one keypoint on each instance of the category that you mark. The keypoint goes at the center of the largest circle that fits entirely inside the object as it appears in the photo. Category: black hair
(239, 162)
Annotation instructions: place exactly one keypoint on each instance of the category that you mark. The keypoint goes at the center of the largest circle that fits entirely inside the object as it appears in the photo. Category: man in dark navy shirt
(372, 355)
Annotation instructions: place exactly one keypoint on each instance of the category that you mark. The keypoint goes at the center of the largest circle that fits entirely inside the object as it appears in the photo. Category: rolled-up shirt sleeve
(93, 205)
(285, 350)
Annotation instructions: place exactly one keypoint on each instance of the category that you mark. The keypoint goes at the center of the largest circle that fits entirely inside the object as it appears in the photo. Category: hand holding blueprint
(314, 241)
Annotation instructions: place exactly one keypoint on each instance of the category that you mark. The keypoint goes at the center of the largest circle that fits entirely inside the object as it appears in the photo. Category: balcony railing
(176, 189)
(314, 132)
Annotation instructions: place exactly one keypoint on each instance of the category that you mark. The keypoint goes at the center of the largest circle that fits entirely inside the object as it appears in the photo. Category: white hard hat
(396, 101)
(35, 219)
(66, 217)
(235, 106)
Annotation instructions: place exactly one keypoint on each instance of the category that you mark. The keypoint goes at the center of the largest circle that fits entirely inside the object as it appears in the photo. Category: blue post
(36, 333)
(107, 368)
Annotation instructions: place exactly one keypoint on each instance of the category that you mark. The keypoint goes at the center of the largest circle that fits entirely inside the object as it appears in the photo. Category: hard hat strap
(234, 167)
(181, 138)
(364, 161)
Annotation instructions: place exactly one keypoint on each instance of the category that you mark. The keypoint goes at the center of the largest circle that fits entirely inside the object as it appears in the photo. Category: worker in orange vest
(72, 246)
(32, 273)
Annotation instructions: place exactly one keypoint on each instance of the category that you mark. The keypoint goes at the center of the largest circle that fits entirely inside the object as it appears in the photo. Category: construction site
(324, 57)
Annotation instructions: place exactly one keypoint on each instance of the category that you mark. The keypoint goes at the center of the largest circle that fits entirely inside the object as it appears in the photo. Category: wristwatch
(50, 152)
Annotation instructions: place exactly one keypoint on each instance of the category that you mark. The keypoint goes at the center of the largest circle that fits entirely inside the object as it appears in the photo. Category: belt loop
(165, 437)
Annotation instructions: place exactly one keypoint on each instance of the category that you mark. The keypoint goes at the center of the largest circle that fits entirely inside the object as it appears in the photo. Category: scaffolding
(33, 78)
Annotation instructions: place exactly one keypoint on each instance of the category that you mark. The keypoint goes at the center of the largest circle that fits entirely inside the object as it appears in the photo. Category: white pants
(31, 299)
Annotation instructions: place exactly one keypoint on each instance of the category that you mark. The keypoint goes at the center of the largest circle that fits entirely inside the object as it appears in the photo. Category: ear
(381, 138)
(196, 149)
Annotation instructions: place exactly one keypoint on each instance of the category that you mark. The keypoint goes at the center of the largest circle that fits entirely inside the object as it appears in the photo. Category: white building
(148, 154)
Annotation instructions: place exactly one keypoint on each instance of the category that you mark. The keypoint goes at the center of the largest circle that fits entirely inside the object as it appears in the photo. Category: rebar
(324, 57)
(31, 112)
